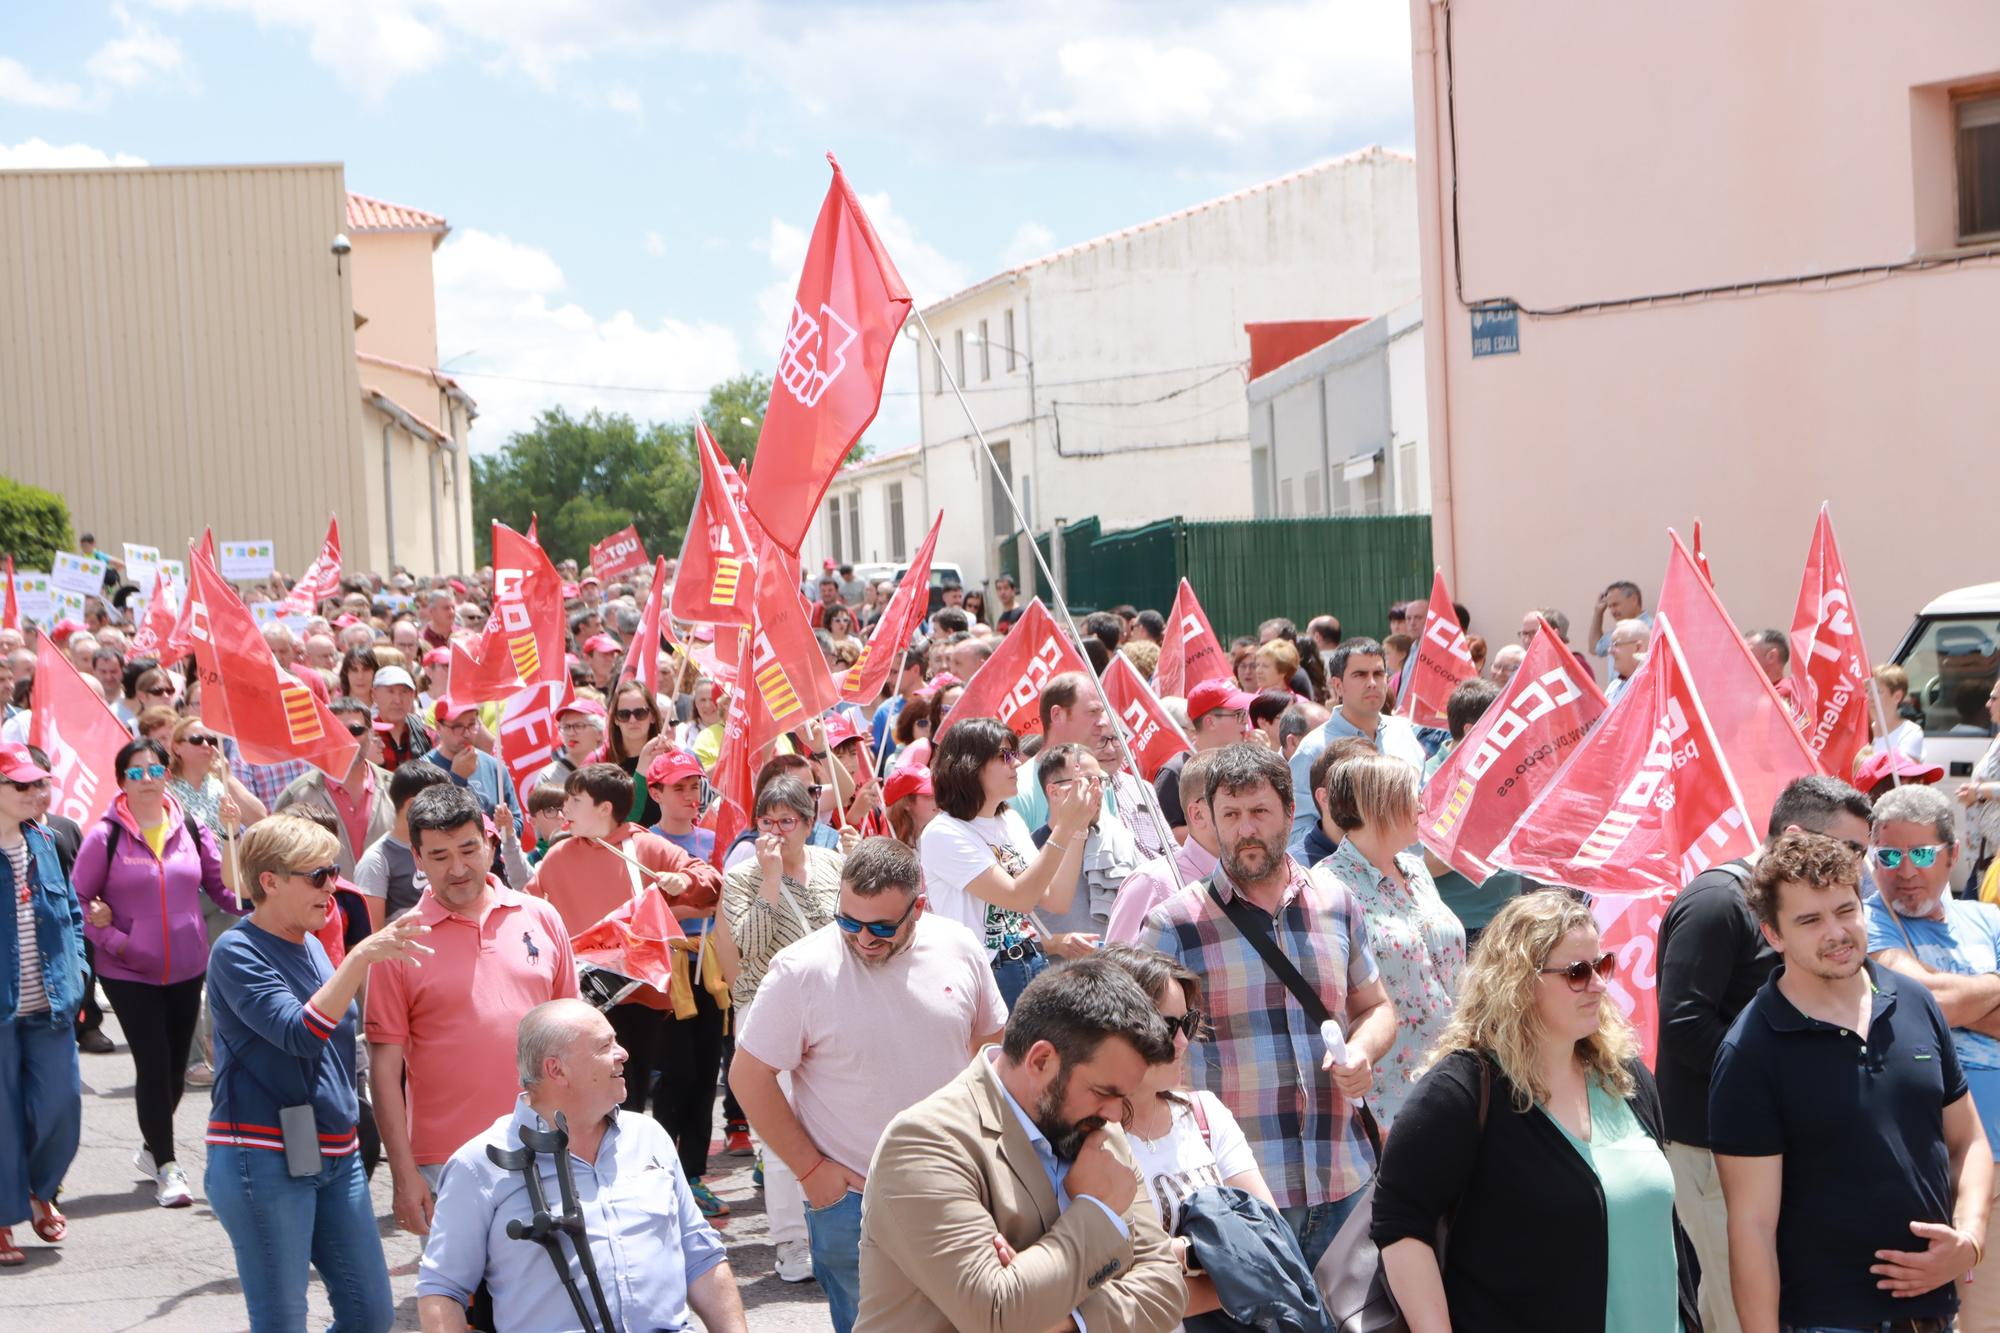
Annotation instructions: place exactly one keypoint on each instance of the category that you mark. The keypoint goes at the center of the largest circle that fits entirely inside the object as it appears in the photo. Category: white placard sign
(177, 574)
(79, 574)
(68, 606)
(34, 594)
(243, 562)
(140, 564)
(272, 613)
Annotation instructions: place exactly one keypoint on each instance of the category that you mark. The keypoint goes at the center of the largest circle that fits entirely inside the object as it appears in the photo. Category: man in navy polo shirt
(1951, 946)
(1856, 1173)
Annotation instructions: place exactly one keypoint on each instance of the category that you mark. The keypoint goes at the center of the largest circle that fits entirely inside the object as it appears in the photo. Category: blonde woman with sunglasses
(1535, 1138)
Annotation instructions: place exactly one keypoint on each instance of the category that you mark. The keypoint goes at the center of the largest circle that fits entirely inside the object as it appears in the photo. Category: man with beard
(1951, 946)
(812, 1067)
(1008, 1200)
(1853, 1164)
(1359, 674)
(1266, 1060)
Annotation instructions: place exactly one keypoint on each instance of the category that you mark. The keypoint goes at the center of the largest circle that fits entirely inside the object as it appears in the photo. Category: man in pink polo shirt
(1196, 859)
(449, 1025)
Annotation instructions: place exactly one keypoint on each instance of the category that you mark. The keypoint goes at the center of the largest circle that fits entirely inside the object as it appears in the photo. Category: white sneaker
(795, 1261)
(142, 1162)
(174, 1191)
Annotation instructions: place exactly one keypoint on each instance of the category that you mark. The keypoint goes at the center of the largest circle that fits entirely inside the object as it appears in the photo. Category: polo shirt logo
(534, 954)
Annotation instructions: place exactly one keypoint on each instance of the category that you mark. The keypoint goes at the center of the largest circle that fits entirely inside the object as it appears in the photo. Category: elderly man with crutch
(524, 1207)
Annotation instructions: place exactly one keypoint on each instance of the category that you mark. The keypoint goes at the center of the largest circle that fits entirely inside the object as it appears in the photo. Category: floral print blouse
(1420, 949)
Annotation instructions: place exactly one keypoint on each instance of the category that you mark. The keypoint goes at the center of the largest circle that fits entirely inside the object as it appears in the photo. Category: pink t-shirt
(455, 1016)
(865, 1043)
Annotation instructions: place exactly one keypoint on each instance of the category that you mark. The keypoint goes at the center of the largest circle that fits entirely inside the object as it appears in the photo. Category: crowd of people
(1058, 1043)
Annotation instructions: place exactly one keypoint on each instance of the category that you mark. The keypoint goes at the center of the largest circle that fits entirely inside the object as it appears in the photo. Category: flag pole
(1167, 844)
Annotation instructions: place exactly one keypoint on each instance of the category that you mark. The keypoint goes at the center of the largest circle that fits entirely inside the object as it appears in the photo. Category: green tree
(587, 478)
(34, 524)
(735, 416)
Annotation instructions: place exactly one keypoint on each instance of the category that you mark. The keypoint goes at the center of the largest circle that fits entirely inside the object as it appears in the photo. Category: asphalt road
(129, 1264)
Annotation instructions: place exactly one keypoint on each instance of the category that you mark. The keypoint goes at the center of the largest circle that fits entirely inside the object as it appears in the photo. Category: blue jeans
(1315, 1224)
(1014, 974)
(41, 1111)
(279, 1224)
(836, 1251)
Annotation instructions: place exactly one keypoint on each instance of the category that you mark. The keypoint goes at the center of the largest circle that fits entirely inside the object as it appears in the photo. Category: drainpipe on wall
(1433, 220)
(389, 489)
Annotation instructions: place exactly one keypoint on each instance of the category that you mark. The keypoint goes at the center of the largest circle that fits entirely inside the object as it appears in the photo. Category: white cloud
(20, 86)
(138, 55)
(656, 244)
(1031, 241)
(39, 154)
(503, 325)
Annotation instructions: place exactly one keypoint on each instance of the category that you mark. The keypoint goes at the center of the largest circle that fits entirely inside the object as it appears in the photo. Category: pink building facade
(1757, 266)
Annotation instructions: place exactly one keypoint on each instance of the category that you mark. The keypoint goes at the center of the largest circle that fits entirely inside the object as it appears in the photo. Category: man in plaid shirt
(1264, 1057)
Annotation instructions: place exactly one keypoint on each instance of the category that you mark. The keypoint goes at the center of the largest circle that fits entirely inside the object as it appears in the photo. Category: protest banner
(620, 553)
(1443, 660)
(247, 561)
(1008, 686)
(79, 574)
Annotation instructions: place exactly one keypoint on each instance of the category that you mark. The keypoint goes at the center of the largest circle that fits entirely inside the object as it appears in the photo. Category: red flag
(273, 716)
(1829, 660)
(529, 741)
(1753, 725)
(632, 940)
(1149, 728)
(69, 722)
(1443, 660)
(714, 648)
(10, 612)
(1700, 560)
(735, 766)
(1009, 684)
(713, 582)
(179, 640)
(786, 681)
(850, 305)
(642, 659)
(1647, 801)
(1628, 928)
(883, 654)
(1508, 757)
(1192, 653)
(619, 553)
(151, 638)
(523, 641)
(321, 579)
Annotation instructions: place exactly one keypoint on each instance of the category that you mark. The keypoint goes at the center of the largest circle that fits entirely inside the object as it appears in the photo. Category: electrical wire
(1221, 366)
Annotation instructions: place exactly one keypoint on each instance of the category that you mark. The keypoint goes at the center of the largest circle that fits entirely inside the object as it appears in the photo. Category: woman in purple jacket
(140, 875)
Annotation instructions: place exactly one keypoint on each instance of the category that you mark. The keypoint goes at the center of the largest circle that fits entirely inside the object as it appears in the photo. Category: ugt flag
(68, 721)
(1829, 660)
(850, 305)
(713, 583)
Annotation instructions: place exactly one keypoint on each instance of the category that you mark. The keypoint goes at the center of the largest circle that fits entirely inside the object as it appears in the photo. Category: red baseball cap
(1210, 695)
(17, 765)
(588, 707)
(1884, 763)
(445, 711)
(590, 578)
(61, 633)
(438, 657)
(672, 767)
(602, 643)
(914, 780)
(937, 684)
(840, 729)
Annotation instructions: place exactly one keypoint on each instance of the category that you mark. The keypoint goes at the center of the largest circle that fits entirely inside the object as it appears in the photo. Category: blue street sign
(1496, 330)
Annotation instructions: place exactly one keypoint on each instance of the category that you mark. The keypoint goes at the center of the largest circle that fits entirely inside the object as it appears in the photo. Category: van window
(1952, 661)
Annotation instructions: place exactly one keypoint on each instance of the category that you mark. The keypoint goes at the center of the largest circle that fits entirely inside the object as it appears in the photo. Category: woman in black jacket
(1560, 1207)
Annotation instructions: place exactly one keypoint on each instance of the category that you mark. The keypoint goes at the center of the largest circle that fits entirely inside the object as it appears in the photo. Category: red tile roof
(365, 214)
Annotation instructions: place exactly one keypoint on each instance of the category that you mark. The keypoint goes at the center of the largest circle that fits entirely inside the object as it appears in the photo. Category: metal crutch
(542, 1227)
(555, 1142)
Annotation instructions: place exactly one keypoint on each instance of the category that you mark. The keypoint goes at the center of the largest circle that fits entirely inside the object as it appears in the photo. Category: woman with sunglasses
(41, 987)
(1419, 944)
(285, 1023)
(1183, 1140)
(144, 684)
(1536, 1135)
(636, 738)
(981, 866)
(200, 780)
(141, 875)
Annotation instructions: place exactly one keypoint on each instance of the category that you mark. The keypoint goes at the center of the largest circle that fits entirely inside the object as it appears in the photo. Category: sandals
(10, 1253)
(49, 1222)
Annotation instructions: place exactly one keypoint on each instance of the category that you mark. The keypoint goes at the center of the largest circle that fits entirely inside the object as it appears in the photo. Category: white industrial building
(1339, 430)
(1109, 377)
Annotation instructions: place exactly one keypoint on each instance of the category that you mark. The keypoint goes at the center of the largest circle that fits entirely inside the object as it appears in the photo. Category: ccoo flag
(1009, 685)
(1192, 653)
(1443, 660)
(1646, 802)
(1149, 727)
(862, 682)
(850, 305)
(1829, 659)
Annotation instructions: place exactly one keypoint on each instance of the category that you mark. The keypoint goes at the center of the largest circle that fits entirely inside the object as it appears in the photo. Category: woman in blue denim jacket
(41, 985)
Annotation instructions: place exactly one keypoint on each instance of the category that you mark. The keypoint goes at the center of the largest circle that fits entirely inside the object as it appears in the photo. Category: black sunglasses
(212, 742)
(1188, 1024)
(1578, 974)
(359, 729)
(881, 930)
(319, 877)
(631, 714)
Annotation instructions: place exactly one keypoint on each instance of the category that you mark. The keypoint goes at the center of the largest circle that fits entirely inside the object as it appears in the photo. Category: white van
(1952, 652)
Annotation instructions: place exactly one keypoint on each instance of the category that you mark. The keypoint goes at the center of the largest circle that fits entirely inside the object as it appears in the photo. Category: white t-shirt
(1907, 738)
(957, 851)
(823, 1015)
(1178, 1163)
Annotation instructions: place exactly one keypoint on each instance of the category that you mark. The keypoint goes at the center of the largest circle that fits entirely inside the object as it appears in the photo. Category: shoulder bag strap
(1281, 967)
(1200, 1117)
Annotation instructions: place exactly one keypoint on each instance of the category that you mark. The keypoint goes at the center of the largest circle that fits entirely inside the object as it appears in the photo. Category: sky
(630, 183)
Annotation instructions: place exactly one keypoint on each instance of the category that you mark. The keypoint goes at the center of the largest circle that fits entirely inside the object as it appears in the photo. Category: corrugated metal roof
(1376, 153)
(365, 214)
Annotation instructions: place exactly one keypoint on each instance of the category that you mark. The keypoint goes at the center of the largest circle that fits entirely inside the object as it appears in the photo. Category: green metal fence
(1246, 571)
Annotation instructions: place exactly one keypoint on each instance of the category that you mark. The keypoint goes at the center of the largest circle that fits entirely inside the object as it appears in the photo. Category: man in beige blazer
(1005, 1201)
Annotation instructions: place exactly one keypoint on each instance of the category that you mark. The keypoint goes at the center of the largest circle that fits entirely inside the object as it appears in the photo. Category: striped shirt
(761, 929)
(34, 994)
(1263, 1055)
